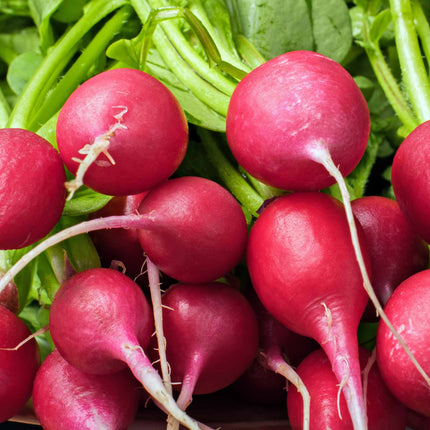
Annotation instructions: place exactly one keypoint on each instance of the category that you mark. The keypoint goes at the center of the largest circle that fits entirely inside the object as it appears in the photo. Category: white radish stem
(120, 221)
(272, 359)
(320, 154)
(142, 369)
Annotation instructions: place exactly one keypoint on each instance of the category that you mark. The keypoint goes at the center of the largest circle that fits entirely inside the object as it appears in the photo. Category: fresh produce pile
(200, 195)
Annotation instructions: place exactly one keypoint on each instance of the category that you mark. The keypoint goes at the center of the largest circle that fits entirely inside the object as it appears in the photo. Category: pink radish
(411, 180)
(198, 231)
(288, 111)
(18, 366)
(100, 321)
(329, 410)
(302, 265)
(212, 337)
(407, 308)
(65, 397)
(395, 249)
(121, 245)
(121, 132)
(32, 193)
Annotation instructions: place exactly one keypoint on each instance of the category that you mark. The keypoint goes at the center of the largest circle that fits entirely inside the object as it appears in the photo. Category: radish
(411, 179)
(121, 132)
(18, 366)
(303, 268)
(120, 245)
(385, 228)
(66, 398)
(198, 231)
(32, 193)
(100, 322)
(407, 308)
(212, 337)
(328, 410)
(9, 298)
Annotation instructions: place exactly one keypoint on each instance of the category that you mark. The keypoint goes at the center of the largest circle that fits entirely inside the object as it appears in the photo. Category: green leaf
(331, 28)
(41, 11)
(380, 25)
(22, 69)
(84, 202)
(274, 26)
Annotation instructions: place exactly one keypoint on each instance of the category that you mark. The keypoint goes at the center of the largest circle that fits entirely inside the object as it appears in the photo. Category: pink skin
(384, 411)
(407, 308)
(120, 244)
(148, 142)
(17, 367)
(65, 397)
(395, 249)
(32, 192)
(283, 108)
(411, 179)
(212, 337)
(100, 322)
(198, 231)
(302, 265)
(9, 298)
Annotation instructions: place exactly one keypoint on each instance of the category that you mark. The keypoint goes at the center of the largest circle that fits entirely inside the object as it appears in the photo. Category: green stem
(388, 82)
(422, 26)
(37, 89)
(205, 91)
(78, 71)
(4, 110)
(410, 56)
(233, 180)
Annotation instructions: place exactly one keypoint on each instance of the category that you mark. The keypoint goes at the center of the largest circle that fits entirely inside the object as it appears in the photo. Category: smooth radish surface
(329, 411)
(212, 337)
(285, 108)
(17, 367)
(395, 249)
(133, 125)
(32, 193)
(303, 267)
(100, 322)
(407, 308)
(410, 177)
(198, 230)
(120, 244)
(66, 398)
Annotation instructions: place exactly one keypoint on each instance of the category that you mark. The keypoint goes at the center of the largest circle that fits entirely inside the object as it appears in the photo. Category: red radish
(212, 337)
(17, 366)
(120, 244)
(128, 127)
(289, 108)
(417, 421)
(32, 192)
(100, 321)
(328, 410)
(407, 308)
(65, 397)
(411, 179)
(303, 267)
(396, 251)
(198, 230)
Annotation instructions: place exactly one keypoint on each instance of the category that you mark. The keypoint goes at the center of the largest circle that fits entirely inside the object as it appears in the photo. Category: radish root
(91, 151)
(320, 154)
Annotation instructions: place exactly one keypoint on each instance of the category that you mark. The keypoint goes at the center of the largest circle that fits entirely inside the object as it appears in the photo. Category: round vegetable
(128, 126)
(32, 193)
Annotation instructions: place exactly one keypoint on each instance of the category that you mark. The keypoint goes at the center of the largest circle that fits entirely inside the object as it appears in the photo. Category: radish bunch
(298, 122)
